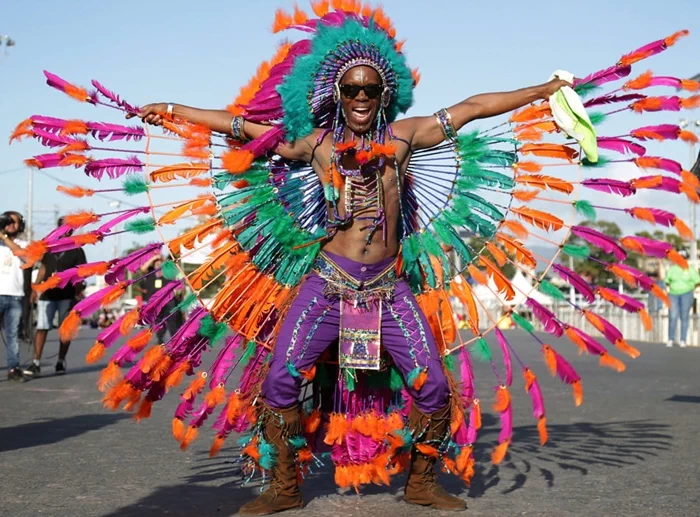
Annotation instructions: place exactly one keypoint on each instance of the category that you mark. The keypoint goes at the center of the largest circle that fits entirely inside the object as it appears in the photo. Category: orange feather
(80, 219)
(174, 214)
(499, 452)
(683, 229)
(98, 268)
(532, 112)
(557, 151)
(75, 191)
(538, 218)
(578, 393)
(95, 353)
(190, 436)
(516, 228)
(502, 400)
(463, 292)
(639, 83)
(188, 239)
(109, 376)
(530, 378)
(527, 166)
(23, 129)
(513, 246)
(204, 272)
(477, 275)
(497, 253)
(612, 362)
(502, 283)
(129, 321)
(690, 85)
(688, 136)
(185, 170)
(550, 359)
(525, 195)
(195, 387)
(542, 430)
(178, 428)
(144, 410)
(320, 7)
(282, 21)
(237, 161)
(70, 327)
(216, 445)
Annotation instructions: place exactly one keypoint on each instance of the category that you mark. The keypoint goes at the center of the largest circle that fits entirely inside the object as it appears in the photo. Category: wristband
(169, 110)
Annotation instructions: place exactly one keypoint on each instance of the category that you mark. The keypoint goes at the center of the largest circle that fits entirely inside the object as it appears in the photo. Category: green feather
(209, 328)
(597, 117)
(134, 184)
(298, 441)
(170, 270)
(140, 226)
(449, 236)
(292, 370)
(602, 162)
(586, 89)
(187, 302)
(410, 249)
(481, 350)
(413, 375)
(522, 322)
(576, 251)
(248, 354)
(350, 379)
(585, 208)
(551, 290)
(395, 379)
(450, 362)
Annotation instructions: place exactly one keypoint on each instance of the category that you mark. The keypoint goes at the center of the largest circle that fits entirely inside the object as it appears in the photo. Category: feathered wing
(471, 210)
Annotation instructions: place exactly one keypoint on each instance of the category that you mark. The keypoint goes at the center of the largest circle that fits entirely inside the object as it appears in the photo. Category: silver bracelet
(169, 110)
(237, 128)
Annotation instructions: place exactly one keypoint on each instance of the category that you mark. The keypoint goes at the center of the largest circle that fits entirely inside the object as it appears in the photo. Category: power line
(12, 170)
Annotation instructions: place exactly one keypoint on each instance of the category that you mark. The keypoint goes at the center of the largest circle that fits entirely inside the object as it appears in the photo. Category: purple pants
(312, 324)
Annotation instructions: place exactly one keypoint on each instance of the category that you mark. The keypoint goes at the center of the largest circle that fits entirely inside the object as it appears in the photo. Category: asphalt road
(631, 449)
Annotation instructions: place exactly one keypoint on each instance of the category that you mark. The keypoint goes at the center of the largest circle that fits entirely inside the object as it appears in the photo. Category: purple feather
(565, 371)
(611, 99)
(471, 429)
(591, 344)
(503, 343)
(188, 330)
(115, 98)
(90, 304)
(184, 408)
(578, 283)
(537, 399)
(113, 167)
(600, 240)
(58, 233)
(201, 414)
(111, 334)
(621, 146)
(621, 188)
(111, 132)
(107, 227)
(132, 262)
(267, 142)
(125, 355)
(606, 75)
(506, 425)
(467, 376)
(157, 302)
(546, 317)
(663, 164)
(223, 362)
(461, 437)
(49, 139)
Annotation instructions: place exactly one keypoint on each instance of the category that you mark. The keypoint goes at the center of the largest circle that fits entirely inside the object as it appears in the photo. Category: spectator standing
(59, 300)
(681, 285)
(11, 289)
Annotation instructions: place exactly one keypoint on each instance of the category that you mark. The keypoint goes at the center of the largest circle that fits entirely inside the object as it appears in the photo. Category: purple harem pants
(312, 324)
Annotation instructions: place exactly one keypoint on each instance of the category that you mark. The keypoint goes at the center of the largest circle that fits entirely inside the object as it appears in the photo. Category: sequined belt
(341, 285)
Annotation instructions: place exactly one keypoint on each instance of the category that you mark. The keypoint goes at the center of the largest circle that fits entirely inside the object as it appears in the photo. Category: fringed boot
(422, 487)
(283, 493)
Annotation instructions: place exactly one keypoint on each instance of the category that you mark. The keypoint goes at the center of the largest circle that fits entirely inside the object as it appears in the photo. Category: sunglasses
(372, 91)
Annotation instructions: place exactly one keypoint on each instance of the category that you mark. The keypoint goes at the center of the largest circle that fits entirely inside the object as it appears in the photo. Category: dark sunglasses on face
(372, 91)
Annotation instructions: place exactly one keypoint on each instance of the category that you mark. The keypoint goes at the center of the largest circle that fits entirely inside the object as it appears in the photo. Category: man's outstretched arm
(425, 132)
(220, 122)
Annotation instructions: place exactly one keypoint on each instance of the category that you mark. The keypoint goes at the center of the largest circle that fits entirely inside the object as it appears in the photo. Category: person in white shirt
(11, 288)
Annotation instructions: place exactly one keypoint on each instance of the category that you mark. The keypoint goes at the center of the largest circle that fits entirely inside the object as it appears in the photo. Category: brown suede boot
(283, 492)
(422, 487)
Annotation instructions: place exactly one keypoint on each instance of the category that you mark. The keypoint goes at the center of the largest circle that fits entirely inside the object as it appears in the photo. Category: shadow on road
(572, 447)
(684, 398)
(52, 430)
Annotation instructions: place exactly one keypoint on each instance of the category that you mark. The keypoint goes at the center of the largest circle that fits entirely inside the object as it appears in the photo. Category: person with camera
(11, 288)
(58, 300)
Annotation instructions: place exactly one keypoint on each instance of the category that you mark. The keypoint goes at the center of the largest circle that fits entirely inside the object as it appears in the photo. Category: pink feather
(57, 233)
(660, 80)
(461, 437)
(66, 243)
(49, 139)
(184, 408)
(621, 146)
(224, 360)
(578, 283)
(600, 240)
(46, 161)
(50, 124)
(107, 227)
(111, 132)
(664, 164)
(565, 371)
(592, 345)
(606, 75)
(666, 184)
(621, 188)
(610, 331)
(186, 335)
(114, 98)
(537, 399)
(132, 262)
(651, 247)
(90, 304)
(467, 376)
(546, 317)
(267, 142)
(661, 217)
(665, 131)
(503, 343)
(643, 280)
(664, 104)
(155, 305)
(111, 334)
(629, 303)
(611, 99)
(113, 167)
(56, 82)
(506, 424)
(651, 49)
(201, 414)
(472, 431)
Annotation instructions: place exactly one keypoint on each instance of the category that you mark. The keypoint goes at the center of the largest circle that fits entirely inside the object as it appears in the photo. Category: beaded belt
(360, 311)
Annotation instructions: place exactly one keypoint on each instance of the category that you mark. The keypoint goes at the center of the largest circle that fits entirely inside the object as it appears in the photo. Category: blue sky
(200, 53)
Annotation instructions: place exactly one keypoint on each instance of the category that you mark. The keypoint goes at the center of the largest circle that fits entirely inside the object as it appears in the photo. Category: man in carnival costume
(360, 84)
(337, 223)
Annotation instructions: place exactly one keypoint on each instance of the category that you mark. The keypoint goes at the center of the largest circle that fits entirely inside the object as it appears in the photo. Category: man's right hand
(152, 113)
